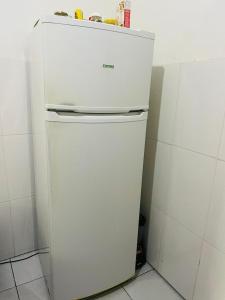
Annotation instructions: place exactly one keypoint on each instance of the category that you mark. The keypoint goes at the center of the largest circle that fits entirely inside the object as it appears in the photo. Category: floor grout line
(8, 289)
(30, 281)
(14, 280)
(145, 272)
(127, 293)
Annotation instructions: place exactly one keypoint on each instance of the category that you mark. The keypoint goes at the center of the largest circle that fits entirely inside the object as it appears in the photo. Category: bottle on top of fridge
(124, 13)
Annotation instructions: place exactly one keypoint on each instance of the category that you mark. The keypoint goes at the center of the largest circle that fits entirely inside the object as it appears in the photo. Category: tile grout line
(127, 293)
(30, 281)
(8, 289)
(145, 273)
(184, 148)
(15, 134)
(204, 239)
(152, 270)
(179, 222)
(25, 253)
(14, 280)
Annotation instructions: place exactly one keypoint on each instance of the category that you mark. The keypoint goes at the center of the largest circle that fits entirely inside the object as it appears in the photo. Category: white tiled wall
(16, 188)
(16, 208)
(186, 182)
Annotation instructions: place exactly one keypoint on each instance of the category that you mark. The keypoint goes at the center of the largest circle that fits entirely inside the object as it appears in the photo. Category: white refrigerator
(90, 85)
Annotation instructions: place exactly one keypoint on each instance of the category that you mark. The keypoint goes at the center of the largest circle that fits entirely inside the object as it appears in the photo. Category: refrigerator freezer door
(96, 171)
(97, 69)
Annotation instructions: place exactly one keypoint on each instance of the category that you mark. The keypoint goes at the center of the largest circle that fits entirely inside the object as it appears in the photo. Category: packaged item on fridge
(124, 13)
(61, 13)
(79, 15)
(127, 13)
(110, 21)
(95, 17)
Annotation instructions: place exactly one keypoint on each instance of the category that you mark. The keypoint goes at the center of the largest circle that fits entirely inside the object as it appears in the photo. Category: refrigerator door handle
(68, 117)
(92, 110)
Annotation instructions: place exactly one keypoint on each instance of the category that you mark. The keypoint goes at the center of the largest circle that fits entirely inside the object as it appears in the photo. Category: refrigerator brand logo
(108, 66)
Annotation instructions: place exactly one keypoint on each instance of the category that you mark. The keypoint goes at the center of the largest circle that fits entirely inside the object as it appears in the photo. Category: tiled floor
(24, 281)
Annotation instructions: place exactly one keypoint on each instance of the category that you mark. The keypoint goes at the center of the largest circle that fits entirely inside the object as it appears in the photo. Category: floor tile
(119, 294)
(35, 290)
(6, 277)
(146, 268)
(9, 295)
(151, 286)
(27, 270)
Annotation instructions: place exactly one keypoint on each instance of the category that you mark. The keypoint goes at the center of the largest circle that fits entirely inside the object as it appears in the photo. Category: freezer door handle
(69, 117)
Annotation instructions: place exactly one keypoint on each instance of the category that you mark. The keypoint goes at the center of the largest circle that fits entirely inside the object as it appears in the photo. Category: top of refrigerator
(90, 67)
(83, 23)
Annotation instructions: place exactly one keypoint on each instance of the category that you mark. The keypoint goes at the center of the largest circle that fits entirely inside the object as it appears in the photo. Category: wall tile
(0, 125)
(4, 195)
(163, 100)
(148, 174)
(23, 225)
(215, 230)
(18, 164)
(210, 282)
(14, 95)
(221, 153)
(190, 187)
(169, 102)
(182, 185)
(184, 174)
(201, 106)
(179, 257)
(6, 237)
(155, 101)
(162, 176)
(156, 227)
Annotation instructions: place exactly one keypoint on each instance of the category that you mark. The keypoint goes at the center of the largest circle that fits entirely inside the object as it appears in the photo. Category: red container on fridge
(127, 13)
(124, 13)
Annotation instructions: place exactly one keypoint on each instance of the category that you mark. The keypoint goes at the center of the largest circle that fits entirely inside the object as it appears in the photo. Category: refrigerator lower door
(96, 173)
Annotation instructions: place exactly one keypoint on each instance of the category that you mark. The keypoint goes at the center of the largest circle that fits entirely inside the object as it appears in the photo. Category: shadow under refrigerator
(90, 87)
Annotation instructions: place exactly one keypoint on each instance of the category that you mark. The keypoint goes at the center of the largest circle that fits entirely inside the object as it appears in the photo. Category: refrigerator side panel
(96, 173)
(94, 68)
(40, 151)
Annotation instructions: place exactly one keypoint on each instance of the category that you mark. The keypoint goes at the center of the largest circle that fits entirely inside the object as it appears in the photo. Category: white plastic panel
(96, 172)
(94, 68)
